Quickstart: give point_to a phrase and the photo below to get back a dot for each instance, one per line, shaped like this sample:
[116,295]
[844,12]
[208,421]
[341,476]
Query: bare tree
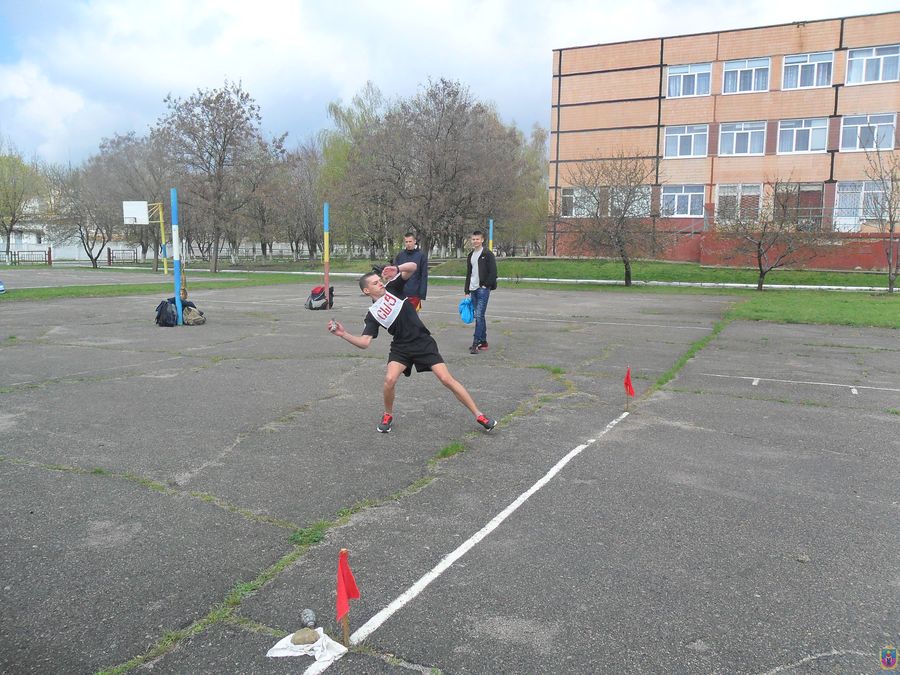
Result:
[20,185]
[611,206]
[138,170]
[215,140]
[773,229]
[82,209]
[300,205]
[443,162]
[881,205]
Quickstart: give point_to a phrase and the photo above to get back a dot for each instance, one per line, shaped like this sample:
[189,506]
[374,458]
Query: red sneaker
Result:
[387,421]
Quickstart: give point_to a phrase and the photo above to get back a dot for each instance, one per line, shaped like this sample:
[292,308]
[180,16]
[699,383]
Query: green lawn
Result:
[642,270]
[785,306]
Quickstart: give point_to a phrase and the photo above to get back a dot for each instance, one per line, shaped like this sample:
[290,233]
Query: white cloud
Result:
[105,67]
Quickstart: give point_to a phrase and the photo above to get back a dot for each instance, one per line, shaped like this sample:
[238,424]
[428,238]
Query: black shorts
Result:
[422,358]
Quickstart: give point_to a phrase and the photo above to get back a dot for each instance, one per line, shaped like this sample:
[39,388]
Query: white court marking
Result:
[852,388]
[376,621]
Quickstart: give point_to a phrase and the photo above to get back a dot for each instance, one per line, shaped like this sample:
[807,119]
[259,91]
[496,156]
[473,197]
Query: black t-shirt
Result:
[408,331]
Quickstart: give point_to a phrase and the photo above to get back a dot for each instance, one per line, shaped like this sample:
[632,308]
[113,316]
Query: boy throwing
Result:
[412,344]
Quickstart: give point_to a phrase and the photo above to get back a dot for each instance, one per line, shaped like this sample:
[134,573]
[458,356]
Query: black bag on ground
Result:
[166,314]
[316,299]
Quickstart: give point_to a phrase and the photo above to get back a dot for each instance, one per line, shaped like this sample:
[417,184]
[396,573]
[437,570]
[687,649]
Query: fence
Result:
[27,257]
[124,256]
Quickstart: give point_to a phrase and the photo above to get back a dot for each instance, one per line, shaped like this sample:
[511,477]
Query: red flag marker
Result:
[346,591]
[629,390]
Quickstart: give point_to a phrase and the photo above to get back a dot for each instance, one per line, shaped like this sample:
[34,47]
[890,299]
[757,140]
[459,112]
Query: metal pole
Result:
[176,253]
[326,258]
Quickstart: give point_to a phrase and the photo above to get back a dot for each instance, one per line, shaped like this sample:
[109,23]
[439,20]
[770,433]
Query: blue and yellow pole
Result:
[176,253]
[326,259]
[490,234]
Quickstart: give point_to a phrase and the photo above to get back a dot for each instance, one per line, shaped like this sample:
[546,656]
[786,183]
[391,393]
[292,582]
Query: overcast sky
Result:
[73,72]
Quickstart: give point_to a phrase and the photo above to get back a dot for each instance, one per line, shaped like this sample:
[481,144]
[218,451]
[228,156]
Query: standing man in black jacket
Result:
[481,279]
[416,287]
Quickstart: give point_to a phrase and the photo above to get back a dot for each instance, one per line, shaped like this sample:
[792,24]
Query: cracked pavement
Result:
[152,480]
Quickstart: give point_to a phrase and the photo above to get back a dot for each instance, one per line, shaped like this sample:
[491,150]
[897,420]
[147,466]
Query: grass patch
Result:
[163,288]
[449,450]
[313,534]
[553,370]
[893,411]
[651,270]
[688,355]
[881,310]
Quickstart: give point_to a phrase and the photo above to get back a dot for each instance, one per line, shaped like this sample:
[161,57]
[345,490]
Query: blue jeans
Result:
[480,297]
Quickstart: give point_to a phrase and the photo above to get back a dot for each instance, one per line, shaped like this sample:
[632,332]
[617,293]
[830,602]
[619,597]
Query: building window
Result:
[799,203]
[690,80]
[746,75]
[574,203]
[802,135]
[738,203]
[38,238]
[687,141]
[855,202]
[875,64]
[868,132]
[682,200]
[742,138]
[807,70]
[629,201]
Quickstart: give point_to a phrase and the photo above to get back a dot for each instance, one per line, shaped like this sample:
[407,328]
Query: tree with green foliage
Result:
[21,185]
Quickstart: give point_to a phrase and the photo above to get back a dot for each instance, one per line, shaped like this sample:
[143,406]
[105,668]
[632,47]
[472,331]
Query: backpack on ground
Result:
[316,299]
[166,314]
[191,316]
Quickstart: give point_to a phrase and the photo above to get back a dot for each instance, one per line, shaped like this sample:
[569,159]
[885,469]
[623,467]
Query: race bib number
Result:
[386,309]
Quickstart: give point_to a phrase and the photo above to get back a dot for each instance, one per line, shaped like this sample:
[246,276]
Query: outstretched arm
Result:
[405,270]
[361,341]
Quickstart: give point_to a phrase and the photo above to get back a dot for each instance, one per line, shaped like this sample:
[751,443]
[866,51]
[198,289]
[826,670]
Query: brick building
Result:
[723,116]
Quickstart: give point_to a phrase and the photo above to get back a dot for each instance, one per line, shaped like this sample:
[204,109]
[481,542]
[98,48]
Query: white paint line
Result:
[853,391]
[375,622]
[820,384]
[755,381]
[814,657]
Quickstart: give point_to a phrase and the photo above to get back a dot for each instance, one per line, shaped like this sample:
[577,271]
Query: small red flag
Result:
[629,390]
[346,584]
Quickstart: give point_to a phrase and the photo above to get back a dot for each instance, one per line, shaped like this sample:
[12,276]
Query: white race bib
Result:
[386,309]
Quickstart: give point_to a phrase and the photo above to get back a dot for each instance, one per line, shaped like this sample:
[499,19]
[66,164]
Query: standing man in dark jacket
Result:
[416,287]
[481,279]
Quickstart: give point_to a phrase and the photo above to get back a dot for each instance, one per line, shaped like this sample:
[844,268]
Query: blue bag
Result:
[466,313]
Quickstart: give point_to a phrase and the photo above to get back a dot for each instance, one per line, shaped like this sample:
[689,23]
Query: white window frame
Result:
[849,218]
[690,195]
[860,63]
[687,72]
[881,120]
[682,132]
[811,128]
[752,66]
[813,62]
[740,190]
[738,131]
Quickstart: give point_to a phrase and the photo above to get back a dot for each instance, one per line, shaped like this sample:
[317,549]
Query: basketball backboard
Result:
[135,213]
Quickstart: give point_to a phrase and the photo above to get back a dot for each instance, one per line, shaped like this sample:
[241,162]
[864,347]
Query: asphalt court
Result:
[742,519]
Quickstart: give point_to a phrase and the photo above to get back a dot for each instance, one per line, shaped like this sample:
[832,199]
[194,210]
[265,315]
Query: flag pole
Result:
[345,620]
[325,257]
